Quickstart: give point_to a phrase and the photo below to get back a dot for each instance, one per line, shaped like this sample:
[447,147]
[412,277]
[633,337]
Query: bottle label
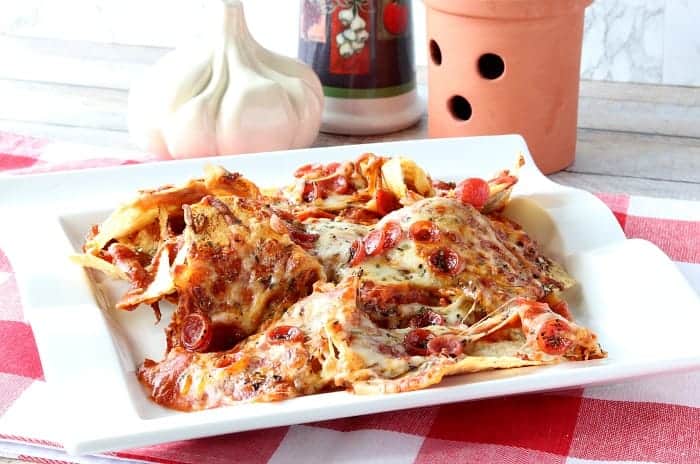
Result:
[359,48]
[350,47]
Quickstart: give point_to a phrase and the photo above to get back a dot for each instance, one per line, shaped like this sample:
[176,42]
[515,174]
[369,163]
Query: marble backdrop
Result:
[624,41]
[652,41]
[682,42]
[649,41]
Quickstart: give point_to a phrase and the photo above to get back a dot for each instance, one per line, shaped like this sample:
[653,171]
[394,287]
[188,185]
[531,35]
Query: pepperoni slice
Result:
[424,231]
[357,253]
[392,235]
[285,333]
[314,213]
[341,185]
[310,192]
[374,242]
[303,239]
[426,318]
[338,184]
[295,230]
[446,345]
[320,188]
[305,169]
[416,342]
[286,215]
[196,332]
[473,191]
[446,261]
[130,263]
[386,202]
[330,168]
[381,239]
[554,337]
[316,170]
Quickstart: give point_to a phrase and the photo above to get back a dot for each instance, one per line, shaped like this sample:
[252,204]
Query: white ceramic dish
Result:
[628,290]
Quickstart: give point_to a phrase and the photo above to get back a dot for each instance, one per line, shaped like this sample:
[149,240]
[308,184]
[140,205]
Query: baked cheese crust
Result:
[365,275]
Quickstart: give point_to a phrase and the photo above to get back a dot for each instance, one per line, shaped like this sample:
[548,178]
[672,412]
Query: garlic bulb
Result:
[353,38]
[346,16]
[227,97]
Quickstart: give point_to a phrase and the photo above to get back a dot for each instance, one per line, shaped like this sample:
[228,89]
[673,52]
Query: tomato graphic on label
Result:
[395,17]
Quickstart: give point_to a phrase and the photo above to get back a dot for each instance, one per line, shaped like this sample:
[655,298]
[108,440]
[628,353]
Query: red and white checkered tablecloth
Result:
[653,420]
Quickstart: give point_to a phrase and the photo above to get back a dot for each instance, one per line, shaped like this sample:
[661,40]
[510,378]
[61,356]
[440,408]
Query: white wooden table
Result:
[636,139]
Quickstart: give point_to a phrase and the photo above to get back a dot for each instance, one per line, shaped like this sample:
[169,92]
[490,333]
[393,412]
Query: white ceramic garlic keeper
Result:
[225,95]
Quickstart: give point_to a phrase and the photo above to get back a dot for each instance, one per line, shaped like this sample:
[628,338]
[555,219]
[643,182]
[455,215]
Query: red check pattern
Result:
[655,420]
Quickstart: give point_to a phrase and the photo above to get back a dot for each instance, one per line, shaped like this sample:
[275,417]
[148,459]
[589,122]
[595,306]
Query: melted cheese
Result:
[348,349]
[241,264]
[400,264]
[238,269]
[493,270]
[332,247]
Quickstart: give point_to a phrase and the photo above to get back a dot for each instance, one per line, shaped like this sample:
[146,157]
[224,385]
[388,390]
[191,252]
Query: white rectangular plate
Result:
[628,290]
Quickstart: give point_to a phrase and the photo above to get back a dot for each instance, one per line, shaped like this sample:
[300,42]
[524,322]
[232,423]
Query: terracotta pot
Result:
[507,66]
